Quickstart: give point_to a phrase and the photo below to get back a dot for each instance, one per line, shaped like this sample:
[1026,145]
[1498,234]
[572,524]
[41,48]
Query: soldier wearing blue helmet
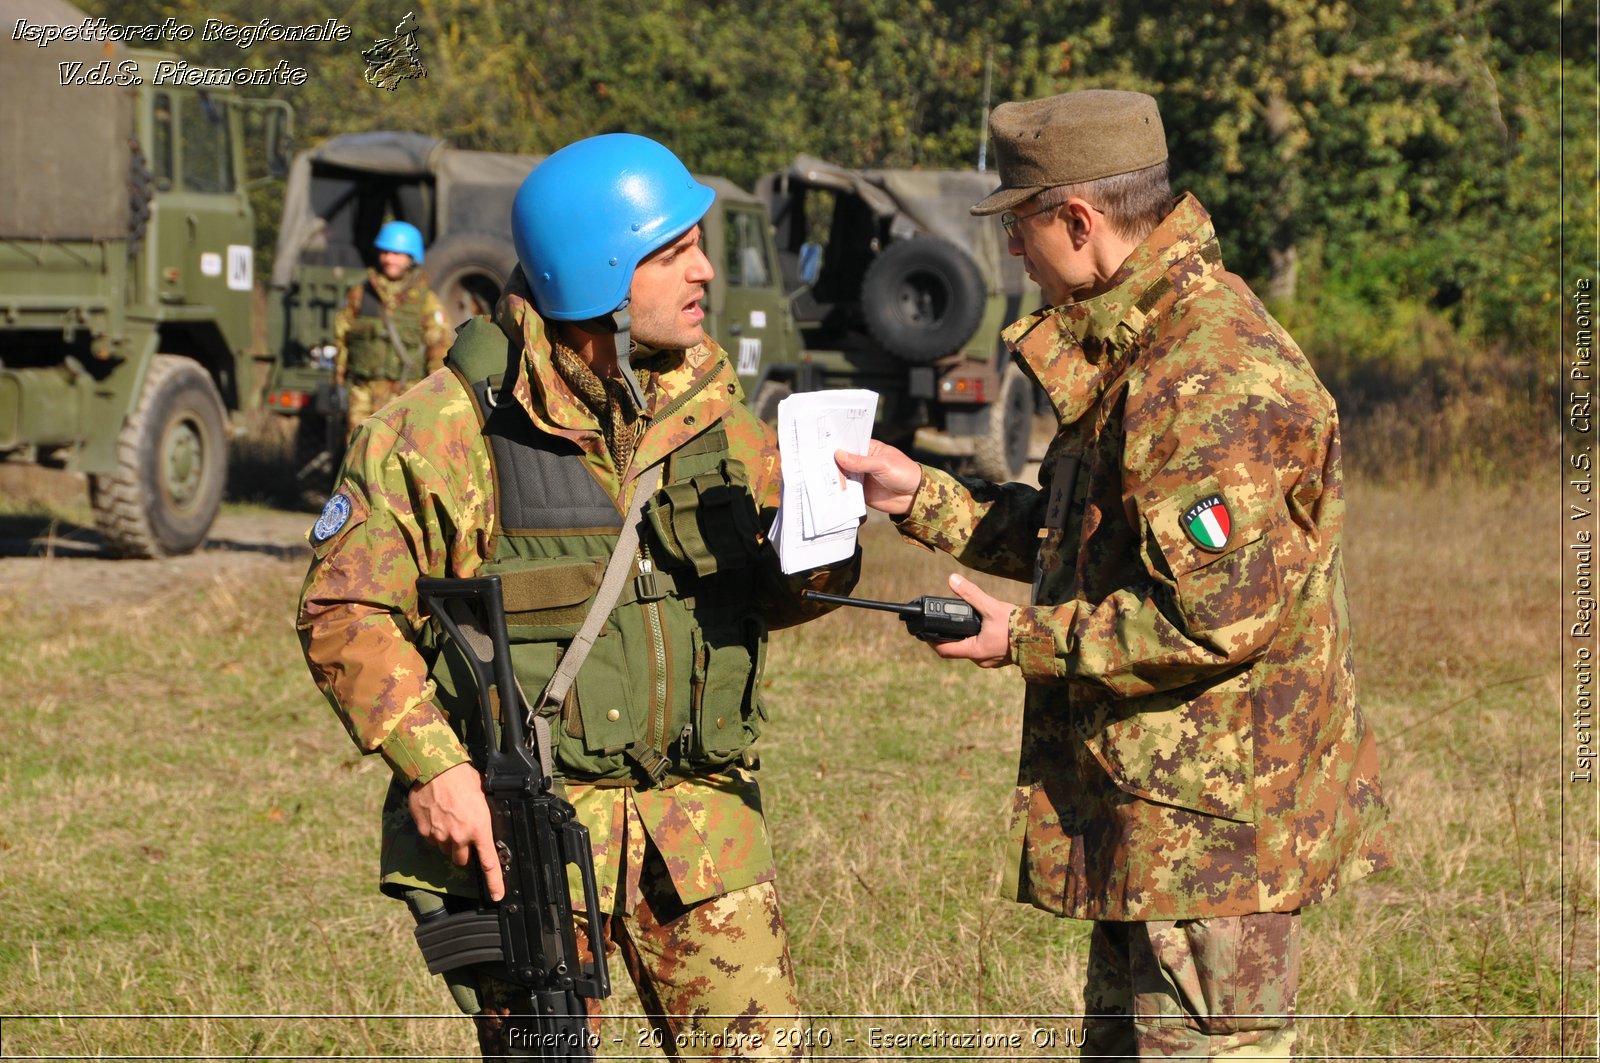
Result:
[391,331]
[594,374]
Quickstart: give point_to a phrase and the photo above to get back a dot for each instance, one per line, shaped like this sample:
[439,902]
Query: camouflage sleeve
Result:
[988,527]
[341,329]
[436,334]
[1197,605]
[756,444]
[358,607]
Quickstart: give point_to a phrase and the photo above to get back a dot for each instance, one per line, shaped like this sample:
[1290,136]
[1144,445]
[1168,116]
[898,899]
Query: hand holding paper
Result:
[820,510]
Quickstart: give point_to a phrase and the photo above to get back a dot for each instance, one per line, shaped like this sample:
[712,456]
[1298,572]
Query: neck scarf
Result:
[609,401]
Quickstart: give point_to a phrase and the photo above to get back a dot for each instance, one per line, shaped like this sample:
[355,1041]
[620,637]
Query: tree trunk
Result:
[1285,275]
[1282,256]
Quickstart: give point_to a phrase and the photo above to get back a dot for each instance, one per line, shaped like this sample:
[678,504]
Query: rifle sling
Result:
[605,599]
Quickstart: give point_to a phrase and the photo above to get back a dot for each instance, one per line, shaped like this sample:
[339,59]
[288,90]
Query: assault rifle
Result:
[530,931]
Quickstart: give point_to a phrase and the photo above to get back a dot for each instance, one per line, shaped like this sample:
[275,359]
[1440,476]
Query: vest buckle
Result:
[650,760]
[645,587]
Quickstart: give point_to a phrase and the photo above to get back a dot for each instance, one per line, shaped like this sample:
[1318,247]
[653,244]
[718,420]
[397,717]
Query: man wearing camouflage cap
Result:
[1194,768]
[520,462]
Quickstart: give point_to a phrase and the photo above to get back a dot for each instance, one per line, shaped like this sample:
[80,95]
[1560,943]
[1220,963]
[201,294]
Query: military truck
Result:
[126,279]
[338,196]
[896,287]
[342,191]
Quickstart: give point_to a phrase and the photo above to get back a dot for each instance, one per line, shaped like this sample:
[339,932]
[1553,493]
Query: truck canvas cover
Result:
[474,190]
[59,178]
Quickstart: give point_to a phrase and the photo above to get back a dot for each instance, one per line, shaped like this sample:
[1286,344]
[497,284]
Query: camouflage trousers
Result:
[367,397]
[714,978]
[1219,988]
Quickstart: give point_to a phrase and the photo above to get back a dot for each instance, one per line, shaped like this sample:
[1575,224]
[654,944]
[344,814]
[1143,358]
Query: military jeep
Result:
[896,287]
[879,280]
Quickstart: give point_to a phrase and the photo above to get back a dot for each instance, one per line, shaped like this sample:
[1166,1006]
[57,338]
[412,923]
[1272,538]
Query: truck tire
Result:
[173,458]
[469,271]
[1000,453]
[922,299]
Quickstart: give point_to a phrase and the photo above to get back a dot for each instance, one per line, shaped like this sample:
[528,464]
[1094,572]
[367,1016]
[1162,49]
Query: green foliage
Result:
[1414,157]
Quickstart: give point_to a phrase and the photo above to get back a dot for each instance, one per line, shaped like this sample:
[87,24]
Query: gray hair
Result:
[1133,202]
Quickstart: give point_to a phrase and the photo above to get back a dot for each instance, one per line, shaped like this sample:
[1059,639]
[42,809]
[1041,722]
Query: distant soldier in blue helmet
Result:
[391,332]
[593,382]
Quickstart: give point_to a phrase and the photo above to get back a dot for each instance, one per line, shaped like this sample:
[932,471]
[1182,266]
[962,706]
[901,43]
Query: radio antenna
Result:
[983,119]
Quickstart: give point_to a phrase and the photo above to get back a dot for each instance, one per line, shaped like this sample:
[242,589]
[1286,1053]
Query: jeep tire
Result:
[468,272]
[1000,453]
[922,299]
[172,456]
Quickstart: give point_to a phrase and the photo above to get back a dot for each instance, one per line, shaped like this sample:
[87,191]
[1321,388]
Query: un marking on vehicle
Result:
[749,357]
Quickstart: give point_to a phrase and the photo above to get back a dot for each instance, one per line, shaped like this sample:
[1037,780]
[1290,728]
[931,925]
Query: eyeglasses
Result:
[1009,219]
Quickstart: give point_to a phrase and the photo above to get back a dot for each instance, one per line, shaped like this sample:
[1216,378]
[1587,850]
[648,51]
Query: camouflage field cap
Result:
[1066,139]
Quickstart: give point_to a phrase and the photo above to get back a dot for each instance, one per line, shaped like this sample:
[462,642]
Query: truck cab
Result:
[127,336]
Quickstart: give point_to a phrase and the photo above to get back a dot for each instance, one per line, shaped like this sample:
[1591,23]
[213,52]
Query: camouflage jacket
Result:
[415,498]
[1191,741]
[413,307]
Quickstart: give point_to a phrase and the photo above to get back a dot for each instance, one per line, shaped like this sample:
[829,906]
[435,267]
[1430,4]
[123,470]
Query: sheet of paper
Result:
[820,508]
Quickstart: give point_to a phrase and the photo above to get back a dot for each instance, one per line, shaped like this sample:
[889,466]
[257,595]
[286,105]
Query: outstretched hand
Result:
[990,647]
[889,478]
[452,813]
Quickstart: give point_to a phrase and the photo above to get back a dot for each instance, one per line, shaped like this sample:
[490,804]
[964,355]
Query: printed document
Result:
[821,507]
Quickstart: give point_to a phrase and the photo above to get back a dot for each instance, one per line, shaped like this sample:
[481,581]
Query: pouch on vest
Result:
[707,521]
[725,692]
[366,350]
[548,599]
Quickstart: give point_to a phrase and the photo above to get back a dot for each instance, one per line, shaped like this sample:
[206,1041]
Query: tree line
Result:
[1388,172]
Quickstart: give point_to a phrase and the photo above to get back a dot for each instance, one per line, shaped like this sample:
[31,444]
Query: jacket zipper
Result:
[656,729]
[655,734]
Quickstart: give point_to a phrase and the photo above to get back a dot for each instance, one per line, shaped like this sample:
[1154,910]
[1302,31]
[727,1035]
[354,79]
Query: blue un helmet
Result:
[586,216]
[401,237]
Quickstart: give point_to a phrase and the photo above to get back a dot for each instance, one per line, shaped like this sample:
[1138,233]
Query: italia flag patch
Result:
[1208,523]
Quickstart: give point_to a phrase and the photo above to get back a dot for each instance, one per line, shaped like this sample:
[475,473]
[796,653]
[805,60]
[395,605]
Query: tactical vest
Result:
[672,686]
[371,352]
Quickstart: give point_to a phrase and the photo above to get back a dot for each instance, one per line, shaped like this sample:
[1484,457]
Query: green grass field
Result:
[188,851]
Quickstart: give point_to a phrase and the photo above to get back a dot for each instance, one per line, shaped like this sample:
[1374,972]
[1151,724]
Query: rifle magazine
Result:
[460,940]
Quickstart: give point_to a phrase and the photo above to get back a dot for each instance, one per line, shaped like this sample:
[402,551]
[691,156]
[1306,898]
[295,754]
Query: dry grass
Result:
[189,833]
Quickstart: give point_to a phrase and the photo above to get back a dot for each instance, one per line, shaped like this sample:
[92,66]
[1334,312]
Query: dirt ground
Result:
[57,556]
[62,559]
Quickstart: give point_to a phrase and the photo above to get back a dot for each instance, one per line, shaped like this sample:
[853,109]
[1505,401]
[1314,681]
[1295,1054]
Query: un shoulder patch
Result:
[332,518]
[1208,523]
